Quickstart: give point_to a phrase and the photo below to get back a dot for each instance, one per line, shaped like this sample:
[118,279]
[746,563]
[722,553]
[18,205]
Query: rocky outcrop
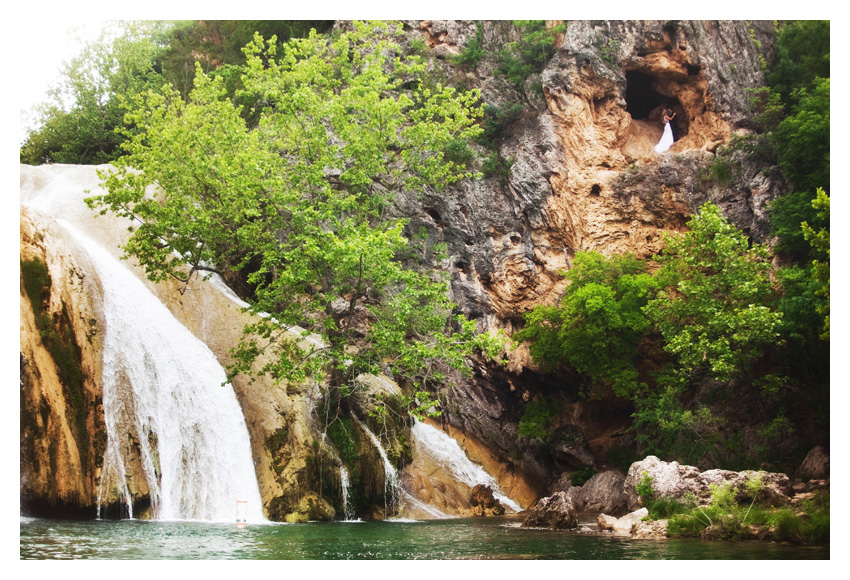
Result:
[650,530]
[583,176]
[556,512]
[675,481]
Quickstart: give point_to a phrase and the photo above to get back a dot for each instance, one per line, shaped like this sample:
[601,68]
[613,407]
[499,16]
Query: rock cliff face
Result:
[584,177]
[62,430]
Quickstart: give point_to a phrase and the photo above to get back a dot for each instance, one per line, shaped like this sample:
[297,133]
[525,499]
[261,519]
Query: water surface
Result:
[451,539]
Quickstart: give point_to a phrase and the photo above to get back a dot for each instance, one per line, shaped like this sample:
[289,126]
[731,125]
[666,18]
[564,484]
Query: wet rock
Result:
[557,512]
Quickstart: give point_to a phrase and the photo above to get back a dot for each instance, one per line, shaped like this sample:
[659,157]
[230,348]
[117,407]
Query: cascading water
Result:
[392,490]
[451,457]
[347,511]
[192,435]
[164,387]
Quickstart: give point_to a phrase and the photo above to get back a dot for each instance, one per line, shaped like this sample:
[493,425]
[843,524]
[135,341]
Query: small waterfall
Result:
[390,474]
[448,454]
[347,511]
[166,385]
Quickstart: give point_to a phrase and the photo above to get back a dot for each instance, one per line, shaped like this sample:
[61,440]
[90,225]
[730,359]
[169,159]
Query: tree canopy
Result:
[298,203]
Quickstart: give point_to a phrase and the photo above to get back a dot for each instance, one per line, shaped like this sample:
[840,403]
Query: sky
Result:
[60,40]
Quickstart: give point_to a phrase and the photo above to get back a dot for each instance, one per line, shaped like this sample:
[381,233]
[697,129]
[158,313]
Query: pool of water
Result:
[452,539]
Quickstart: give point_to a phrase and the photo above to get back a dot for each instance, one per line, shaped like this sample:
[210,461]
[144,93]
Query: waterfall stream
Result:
[164,393]
[393,489]
[450,456]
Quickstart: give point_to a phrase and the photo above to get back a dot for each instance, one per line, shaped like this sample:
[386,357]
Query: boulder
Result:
[556,512]
[669,479]
[483,503]
[603,493]
[815,465]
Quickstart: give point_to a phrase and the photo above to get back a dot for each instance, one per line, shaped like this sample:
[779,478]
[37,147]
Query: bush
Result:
[580,476]
[473,51]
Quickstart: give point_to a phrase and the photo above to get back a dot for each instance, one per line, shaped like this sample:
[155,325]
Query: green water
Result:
[475,538]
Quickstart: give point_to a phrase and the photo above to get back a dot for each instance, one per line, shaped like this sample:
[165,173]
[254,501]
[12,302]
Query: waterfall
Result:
[193,439]
[347,512]
[449,455]
[390,474]
[164,391]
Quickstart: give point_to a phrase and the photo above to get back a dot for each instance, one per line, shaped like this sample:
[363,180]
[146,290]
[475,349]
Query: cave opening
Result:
[644,102]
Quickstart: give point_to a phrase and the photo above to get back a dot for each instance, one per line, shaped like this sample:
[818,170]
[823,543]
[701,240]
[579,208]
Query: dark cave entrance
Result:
[645,102]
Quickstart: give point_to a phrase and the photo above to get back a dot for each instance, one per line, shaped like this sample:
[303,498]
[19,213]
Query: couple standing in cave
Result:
[667,137]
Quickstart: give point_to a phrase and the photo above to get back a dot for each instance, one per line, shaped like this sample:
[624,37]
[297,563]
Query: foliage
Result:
[77,123]
[644,489]
[802,138]
[519,60]
[724,518]
[494,165]
[81,119]
[714,312]
[795,113]
[582,475]
[820,244]
[665,507]
[298,203]
[599,323]
[496,121]
[802,56]
[473,51]
[537,419]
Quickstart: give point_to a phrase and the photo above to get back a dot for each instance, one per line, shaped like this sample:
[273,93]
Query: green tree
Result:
[820,266]
[78,121]
[599,323]
[299,203]
[715,310]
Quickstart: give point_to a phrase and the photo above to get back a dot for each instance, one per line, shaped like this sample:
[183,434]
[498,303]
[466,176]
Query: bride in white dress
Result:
[667,137]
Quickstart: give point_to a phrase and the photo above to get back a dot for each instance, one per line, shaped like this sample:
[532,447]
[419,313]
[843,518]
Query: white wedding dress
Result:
[666,139]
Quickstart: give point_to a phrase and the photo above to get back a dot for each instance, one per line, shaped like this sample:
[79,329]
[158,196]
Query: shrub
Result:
[580,476]
[473,51]
[644,489]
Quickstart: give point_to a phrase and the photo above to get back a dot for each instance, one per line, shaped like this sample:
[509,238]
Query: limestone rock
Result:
[675,480]
[311,507]
[652,530]
[604,493]
[621,525]
[556,513]
[482,502]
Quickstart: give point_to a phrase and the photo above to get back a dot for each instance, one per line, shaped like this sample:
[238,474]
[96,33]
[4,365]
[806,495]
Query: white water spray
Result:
[451,457]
